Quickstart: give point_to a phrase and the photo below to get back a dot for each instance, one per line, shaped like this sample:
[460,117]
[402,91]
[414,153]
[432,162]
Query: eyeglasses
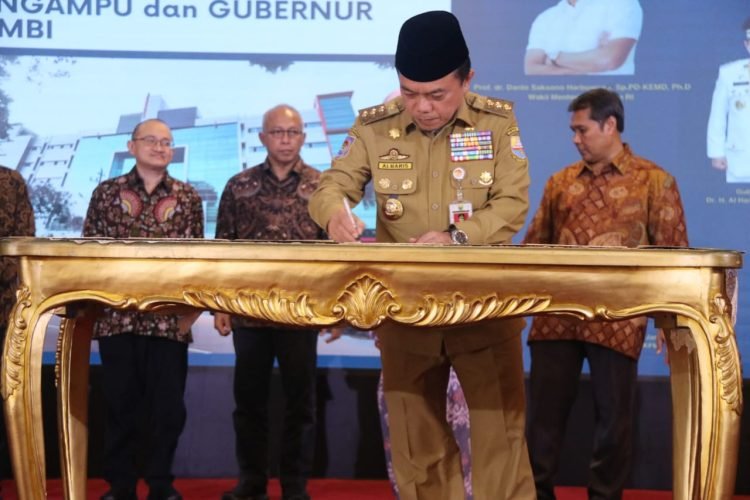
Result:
[278,133]
[152,141]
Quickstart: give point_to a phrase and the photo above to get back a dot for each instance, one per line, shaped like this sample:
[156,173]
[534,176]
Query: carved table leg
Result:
[684,379]
[74,349]
[21,388]
[707,424]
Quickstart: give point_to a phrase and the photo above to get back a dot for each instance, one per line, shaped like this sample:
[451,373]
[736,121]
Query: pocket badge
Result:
[485,178]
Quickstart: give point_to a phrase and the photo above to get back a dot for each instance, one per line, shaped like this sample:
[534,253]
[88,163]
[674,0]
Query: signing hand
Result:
[341,229]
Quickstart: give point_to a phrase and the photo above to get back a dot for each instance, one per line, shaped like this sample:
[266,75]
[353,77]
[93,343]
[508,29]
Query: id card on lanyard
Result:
[459,209]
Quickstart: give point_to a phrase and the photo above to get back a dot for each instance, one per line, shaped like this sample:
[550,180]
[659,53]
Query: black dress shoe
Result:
[164,494]
[119,494]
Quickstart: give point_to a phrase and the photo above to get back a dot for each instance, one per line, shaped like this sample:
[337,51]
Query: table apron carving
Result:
[319,285]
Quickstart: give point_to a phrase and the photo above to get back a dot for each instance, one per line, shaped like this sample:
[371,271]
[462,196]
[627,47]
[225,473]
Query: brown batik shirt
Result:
[631,202]
[16,219]
[256,205]
[121,208]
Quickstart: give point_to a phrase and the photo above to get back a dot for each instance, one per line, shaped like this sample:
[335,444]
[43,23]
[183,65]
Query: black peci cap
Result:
[430,46]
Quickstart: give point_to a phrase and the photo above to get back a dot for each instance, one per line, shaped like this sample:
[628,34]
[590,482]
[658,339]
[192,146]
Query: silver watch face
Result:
[459,237]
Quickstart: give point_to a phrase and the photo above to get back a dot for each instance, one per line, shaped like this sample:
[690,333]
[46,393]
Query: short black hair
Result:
[462,72]
[602,104]
[137,127]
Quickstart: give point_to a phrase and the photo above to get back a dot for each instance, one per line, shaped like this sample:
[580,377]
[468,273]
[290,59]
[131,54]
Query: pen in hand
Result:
[350,215]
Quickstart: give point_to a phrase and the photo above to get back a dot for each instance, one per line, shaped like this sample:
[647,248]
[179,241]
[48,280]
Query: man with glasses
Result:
[269,202]
[144,355]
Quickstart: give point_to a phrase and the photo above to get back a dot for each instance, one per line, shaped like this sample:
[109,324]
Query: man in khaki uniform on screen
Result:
[447,166]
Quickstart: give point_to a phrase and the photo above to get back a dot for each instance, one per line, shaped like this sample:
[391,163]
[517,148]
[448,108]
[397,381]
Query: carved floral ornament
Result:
[365,303]
[727,362]
[12,361]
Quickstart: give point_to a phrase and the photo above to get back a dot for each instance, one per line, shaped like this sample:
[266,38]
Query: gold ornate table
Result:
[324,283]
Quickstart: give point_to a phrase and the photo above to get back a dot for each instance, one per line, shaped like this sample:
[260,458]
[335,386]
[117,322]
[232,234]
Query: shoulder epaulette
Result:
[491,105]
[375,113]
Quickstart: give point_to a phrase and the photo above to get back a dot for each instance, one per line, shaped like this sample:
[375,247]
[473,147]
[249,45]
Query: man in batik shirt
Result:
[609,198]
[144,356]
[16,219]
[269,202]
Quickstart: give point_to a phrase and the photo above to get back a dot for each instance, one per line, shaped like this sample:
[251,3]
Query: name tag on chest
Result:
[395,165]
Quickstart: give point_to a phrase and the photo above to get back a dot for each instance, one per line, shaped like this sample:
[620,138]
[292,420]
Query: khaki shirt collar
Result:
[463,115]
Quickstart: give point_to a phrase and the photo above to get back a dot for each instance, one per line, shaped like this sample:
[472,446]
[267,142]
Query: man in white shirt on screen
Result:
[579,37]
[728,136]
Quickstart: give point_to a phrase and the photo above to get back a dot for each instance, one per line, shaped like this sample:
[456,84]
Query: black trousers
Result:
[296,351]
[143,381]
[555,373]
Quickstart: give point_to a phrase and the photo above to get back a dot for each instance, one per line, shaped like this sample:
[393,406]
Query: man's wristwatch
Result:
[458,237]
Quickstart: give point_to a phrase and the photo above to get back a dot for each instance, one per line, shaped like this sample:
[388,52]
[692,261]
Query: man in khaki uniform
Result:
[447,166]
